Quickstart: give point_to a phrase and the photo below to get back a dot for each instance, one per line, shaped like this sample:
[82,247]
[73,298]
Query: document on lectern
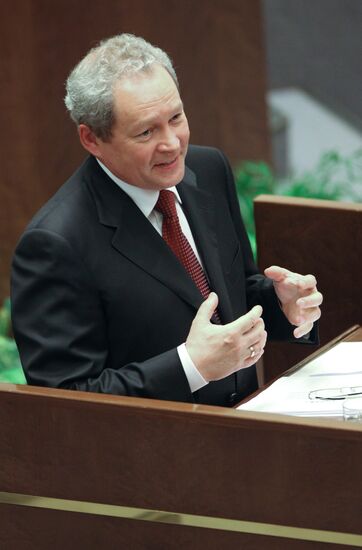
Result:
[340,367]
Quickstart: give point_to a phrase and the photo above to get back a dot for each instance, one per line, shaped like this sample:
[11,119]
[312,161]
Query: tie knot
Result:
[166,204]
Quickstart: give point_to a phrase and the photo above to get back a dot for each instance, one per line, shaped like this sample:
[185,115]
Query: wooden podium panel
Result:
[319,237]
[81,470]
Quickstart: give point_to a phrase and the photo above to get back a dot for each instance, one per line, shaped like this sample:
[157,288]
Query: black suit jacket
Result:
[100,302]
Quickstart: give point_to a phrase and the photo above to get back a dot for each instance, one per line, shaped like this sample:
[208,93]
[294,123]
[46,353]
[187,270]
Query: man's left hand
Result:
[298,297]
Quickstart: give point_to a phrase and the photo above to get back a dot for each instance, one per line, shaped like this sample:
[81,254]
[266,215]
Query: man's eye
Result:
[177,116]
[146,133]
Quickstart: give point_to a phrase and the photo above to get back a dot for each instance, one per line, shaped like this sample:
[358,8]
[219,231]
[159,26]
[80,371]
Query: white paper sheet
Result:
[341,366]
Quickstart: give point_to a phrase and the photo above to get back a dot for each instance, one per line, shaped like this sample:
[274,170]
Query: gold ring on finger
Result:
[252,351]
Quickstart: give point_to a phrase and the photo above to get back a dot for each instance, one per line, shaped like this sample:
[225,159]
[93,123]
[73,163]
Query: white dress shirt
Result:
[146,200]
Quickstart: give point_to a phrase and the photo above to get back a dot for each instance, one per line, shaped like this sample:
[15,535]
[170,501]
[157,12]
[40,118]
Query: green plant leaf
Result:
[335,177]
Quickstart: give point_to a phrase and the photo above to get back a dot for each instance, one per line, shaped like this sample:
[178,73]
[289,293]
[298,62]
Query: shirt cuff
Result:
[194,378]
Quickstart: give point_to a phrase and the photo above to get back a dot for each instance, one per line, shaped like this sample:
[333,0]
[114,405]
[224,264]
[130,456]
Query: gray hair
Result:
[90,85]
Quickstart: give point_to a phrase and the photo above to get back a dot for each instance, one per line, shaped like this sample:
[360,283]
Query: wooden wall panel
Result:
[319,237]
[218,52]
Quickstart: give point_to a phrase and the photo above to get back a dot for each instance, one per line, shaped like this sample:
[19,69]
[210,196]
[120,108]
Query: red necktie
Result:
[172,234]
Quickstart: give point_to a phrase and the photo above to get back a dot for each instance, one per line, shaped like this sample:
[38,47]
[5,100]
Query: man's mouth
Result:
[166,164]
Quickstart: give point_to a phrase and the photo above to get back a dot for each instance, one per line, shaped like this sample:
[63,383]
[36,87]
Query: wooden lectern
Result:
[90,471]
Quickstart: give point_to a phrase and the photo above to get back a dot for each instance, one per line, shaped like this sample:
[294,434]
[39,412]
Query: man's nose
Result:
[169,141]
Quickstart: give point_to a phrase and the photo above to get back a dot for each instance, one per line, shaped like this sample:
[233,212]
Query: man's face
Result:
[150,134]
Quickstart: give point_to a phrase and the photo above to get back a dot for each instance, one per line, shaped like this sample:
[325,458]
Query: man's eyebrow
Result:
[147,121]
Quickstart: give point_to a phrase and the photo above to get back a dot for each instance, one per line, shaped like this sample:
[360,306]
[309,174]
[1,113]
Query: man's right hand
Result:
[220,350]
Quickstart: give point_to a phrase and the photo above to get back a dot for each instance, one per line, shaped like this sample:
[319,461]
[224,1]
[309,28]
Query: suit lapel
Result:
[200,209]
[136,238]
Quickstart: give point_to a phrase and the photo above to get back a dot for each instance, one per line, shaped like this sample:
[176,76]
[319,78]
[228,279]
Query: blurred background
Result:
[276,84]
[314,81]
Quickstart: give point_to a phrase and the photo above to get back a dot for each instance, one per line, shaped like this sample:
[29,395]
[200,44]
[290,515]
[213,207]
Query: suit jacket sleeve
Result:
[60,327]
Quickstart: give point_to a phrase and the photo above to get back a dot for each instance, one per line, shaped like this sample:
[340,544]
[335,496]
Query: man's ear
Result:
[88,139]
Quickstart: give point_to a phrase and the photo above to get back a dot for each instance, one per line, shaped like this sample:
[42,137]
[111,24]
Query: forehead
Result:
[146,94]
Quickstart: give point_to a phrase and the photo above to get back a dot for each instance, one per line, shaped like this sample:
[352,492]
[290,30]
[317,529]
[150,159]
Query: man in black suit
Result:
[101,301]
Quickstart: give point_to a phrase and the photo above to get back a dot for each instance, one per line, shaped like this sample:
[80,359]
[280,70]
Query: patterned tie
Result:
[176,240]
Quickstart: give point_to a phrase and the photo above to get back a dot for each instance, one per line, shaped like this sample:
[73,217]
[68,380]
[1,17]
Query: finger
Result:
[276,273]
[249,361]
[247,321]
[207,308]
[254,349]
[303,282]
[307,282]
[260,344]
[311,300]
[303,329]
[255,334]
[312,315]
[309,315]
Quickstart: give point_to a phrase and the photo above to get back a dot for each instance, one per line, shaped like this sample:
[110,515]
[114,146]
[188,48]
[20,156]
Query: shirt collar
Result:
[145,199]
